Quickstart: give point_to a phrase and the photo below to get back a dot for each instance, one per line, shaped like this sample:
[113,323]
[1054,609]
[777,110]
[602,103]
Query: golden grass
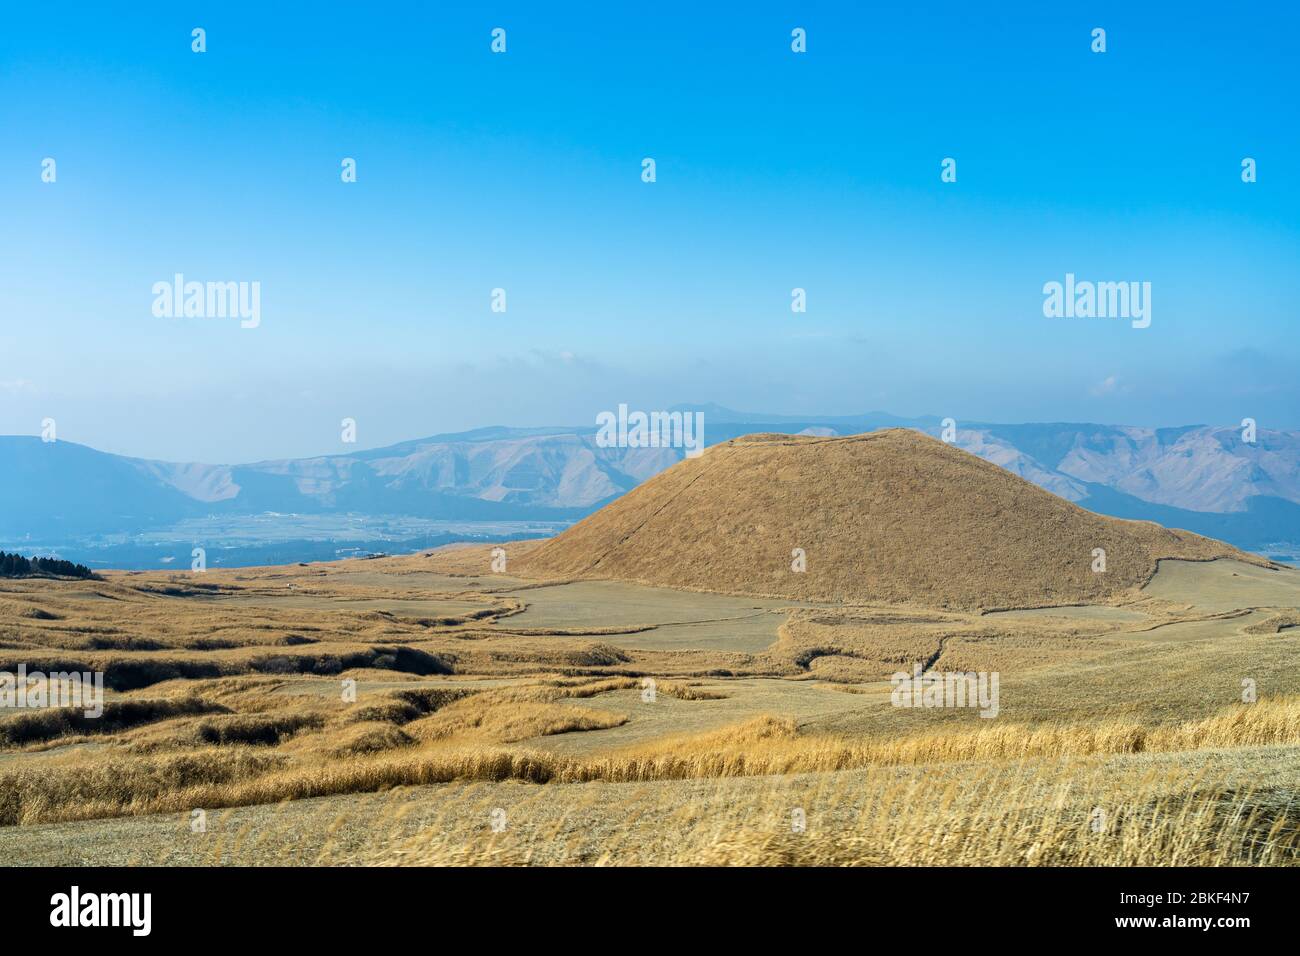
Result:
[1276,623]
[1036,815]
[482,719]
[33,726]
[686,690]
[767,746]
[225,702]
[370,738]
[772,746]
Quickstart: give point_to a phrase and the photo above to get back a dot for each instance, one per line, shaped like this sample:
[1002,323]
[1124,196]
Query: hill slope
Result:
[890,516]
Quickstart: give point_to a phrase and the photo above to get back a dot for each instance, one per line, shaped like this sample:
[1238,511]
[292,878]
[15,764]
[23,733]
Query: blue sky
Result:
[522,171]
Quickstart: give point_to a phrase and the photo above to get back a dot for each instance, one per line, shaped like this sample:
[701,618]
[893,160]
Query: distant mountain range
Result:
[1200,478]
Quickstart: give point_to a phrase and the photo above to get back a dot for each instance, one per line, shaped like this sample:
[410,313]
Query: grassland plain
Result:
[431,709]
[224,699]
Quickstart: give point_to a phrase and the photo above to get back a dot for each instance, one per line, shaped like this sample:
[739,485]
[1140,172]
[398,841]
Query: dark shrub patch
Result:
[124,644]
[37,725]
[404,706]
[132,675]
[254,728]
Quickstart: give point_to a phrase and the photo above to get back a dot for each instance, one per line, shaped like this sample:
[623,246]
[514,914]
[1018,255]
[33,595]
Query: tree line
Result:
[16,566]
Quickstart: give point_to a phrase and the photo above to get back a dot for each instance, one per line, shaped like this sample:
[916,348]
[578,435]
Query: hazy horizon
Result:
[755,417]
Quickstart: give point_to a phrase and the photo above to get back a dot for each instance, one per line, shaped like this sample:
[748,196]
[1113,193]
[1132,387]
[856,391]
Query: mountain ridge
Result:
[1202,478]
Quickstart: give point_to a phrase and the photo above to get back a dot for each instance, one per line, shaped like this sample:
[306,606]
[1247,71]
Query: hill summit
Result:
[890,516]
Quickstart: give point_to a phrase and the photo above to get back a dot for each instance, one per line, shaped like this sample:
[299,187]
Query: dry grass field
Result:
[425,709]
[222,699]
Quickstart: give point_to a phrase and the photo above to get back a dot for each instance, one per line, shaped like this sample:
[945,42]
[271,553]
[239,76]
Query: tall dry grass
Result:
[120,785]
[773,746]
[1045,814]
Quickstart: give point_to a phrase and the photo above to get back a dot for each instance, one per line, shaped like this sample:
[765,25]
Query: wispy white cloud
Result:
[1110,385]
